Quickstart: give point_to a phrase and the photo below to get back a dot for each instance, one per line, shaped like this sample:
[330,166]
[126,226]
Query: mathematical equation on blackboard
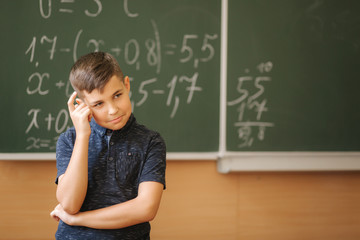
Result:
[251,105]
[194,50]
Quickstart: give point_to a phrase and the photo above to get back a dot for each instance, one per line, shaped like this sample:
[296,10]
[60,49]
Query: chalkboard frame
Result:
[288,161]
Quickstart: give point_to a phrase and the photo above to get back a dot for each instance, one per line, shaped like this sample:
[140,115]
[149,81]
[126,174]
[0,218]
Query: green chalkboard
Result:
[293,75]
[292,79]
[169,49]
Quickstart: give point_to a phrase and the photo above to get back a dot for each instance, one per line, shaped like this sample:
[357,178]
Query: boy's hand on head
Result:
[80,115]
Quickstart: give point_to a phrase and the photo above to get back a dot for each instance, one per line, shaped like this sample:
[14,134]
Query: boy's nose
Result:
[113,109]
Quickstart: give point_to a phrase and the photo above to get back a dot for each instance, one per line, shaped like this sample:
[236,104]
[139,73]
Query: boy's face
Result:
[110,108]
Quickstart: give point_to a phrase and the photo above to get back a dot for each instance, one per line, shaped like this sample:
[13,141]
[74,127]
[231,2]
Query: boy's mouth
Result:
[116,120]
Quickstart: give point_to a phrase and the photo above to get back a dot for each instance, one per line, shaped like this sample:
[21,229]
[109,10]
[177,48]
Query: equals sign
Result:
[171,50]
[158,91]
[65,10]
[44,143]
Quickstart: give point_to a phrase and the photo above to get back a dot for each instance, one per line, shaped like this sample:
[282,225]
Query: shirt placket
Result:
[111,154]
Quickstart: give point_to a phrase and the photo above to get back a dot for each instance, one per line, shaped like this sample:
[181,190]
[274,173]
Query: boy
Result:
[111,170]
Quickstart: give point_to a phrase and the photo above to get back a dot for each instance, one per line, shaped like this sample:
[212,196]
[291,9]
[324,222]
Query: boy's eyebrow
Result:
[95,102]
[118,91]
[115,93]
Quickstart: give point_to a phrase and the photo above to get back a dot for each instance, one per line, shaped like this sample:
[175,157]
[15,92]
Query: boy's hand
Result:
[80,115]
[59,214]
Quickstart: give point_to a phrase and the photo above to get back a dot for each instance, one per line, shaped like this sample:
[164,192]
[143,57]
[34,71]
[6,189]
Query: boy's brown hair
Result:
[93,71]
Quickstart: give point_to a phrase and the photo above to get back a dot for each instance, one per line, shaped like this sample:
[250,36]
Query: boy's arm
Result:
[141,209]
[72,185]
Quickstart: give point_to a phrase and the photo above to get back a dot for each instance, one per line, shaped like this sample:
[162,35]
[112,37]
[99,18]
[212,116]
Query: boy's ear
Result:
[127,83]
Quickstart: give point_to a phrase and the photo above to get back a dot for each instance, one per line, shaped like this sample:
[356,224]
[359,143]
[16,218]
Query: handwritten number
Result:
[186,49]
[244,92]
[99,6]
[193,86]
[32,49]
[53,41]
[143,91]
[132,42]
[258,85]
[65,115]
[151,55]
[208,47]
[42,10]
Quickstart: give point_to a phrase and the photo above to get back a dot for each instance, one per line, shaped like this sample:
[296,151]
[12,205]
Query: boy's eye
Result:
[117,95]
[98,104]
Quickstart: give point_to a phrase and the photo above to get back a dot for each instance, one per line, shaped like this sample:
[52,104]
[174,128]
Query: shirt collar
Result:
[102,131]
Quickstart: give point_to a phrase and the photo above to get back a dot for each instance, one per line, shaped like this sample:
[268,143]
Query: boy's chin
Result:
[114,127]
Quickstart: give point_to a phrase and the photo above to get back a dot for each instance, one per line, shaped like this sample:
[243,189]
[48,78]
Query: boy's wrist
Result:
[75,219]
[83,136]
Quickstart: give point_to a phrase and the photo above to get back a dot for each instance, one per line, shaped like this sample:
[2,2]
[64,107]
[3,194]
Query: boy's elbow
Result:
[72,210]
[150,213]
[69,207]
[149,216]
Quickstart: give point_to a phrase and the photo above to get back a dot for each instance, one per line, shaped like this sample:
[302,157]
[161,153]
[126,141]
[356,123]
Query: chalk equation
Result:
[251,105]
[94,8]
[148,53]
[131,51]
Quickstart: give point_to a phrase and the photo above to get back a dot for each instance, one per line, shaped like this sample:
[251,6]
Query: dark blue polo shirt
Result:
[118,162]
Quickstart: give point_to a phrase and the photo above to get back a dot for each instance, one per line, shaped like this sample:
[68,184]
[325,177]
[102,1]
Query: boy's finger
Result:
[78,101]
[70,102]
[53,215]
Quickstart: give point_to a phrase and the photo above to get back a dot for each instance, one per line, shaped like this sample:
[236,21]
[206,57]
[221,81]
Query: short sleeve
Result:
[64,148]
[155,162]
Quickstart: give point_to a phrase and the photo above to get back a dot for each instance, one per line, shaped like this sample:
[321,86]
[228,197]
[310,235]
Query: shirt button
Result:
[111,158]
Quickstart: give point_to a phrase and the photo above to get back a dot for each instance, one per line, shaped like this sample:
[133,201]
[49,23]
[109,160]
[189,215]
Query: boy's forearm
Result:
[141,209]
[113,217]
[72,186]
